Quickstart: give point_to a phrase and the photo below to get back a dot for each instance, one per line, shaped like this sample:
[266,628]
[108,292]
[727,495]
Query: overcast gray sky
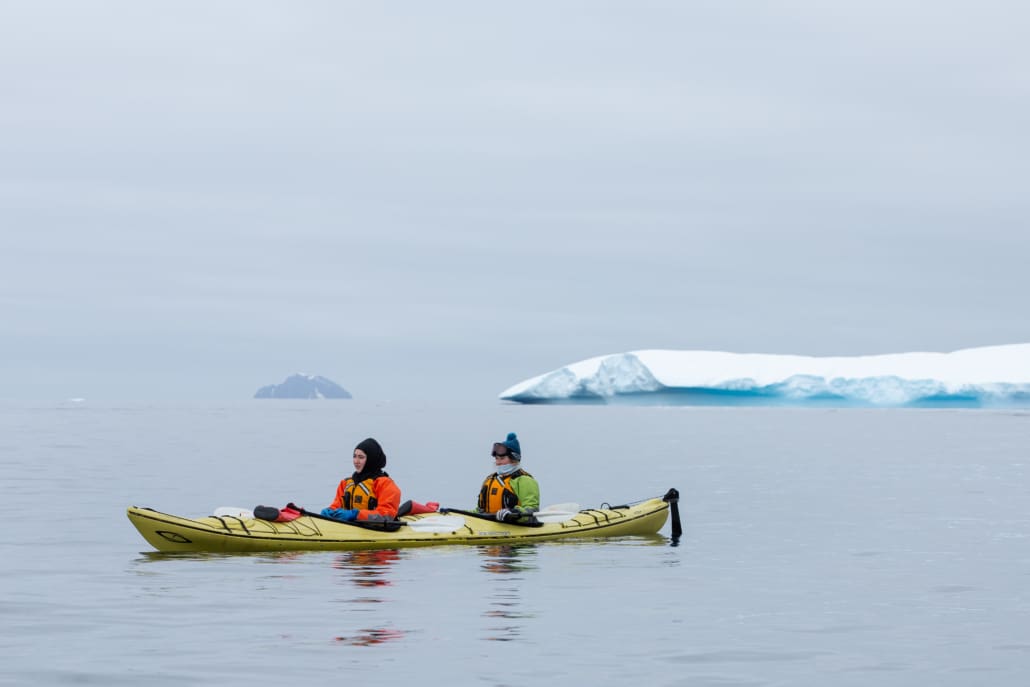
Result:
[439,199]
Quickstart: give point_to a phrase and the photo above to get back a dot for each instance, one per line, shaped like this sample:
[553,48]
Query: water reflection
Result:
[368,568]
[159,556]
[371,637]
[506,602]
[260,557]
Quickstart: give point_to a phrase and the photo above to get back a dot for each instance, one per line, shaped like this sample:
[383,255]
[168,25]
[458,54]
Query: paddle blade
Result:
[561,507]
[234,512]
[555,515]
[557,512]
[437,523]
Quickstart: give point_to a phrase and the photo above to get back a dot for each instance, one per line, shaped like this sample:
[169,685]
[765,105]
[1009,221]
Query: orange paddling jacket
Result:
[374,499]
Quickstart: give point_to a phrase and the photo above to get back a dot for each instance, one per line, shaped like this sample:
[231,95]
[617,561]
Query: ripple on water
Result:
[738,656]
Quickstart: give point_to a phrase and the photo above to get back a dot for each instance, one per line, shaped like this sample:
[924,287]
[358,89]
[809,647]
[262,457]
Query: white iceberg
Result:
[302,385]
[973,377]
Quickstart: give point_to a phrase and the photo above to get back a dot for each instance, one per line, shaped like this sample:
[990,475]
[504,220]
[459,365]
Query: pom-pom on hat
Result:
[376,458]
[512,444]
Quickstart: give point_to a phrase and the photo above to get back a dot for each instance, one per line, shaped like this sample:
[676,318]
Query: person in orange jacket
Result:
[368,494]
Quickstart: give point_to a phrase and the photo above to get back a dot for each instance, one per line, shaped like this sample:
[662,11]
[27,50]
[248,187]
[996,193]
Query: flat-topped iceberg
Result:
[989,376]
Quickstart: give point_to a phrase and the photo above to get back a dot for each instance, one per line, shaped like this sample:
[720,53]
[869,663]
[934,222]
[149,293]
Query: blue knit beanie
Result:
[512,443]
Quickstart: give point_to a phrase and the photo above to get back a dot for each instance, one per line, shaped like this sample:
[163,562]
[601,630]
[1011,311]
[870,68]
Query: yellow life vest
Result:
[359,495]
[497,492]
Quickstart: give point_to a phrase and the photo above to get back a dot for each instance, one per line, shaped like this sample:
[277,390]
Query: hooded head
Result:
[512,444]
[376,458]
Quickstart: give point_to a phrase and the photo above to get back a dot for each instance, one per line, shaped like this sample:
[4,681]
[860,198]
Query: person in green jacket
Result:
[510,492]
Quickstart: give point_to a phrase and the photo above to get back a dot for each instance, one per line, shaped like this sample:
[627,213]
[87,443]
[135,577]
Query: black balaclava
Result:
[376,460]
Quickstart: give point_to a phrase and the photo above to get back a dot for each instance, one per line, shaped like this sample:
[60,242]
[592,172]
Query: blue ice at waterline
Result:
[989,376]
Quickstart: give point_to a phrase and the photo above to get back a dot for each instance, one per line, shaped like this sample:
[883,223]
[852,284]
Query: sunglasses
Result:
[499,454]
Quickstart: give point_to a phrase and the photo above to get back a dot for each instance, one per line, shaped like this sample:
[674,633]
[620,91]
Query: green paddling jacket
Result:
[517,490]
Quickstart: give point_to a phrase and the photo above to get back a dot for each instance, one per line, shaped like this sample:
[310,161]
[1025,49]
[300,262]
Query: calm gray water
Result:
[821,547]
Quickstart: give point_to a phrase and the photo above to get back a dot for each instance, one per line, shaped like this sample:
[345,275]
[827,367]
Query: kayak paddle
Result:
[433,523]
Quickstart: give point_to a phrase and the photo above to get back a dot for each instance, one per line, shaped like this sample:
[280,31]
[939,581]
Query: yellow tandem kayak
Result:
[171,533]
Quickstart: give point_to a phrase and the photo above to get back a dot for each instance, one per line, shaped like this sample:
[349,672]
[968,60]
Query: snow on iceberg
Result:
[302,385]
[974,377]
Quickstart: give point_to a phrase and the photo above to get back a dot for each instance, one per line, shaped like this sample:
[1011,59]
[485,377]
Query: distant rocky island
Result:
[303,386]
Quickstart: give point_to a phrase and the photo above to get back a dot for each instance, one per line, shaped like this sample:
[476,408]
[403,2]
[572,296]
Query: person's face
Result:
[359,460]
[501,455]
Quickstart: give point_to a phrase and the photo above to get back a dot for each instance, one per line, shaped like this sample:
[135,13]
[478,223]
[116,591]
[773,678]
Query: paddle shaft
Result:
[379,525]
[488,516]
[426,525]
[429,524]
